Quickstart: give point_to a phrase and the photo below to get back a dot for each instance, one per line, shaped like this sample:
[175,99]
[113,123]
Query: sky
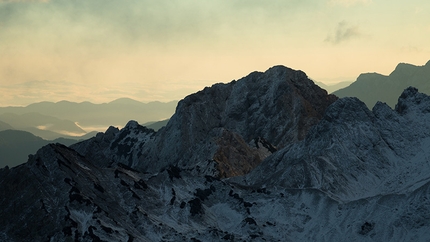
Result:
[148,50]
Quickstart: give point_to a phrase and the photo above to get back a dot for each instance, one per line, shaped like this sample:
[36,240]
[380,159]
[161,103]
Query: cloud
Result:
[343,33]
[35,91]
[24,1]
[23,94]
[349,2]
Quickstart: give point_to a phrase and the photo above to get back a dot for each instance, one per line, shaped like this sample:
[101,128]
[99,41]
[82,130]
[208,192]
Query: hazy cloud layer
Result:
[23,94]
[23,1]
[343,32]
[349,2]
[167,47]
[128,22]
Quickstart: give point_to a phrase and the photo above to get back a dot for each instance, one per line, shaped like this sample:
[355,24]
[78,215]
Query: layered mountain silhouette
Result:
[330,88]
[17,145]
[373,87]
[156,125]
[88,115]
[52,122]
[5,126]
[42,125]
[269,157]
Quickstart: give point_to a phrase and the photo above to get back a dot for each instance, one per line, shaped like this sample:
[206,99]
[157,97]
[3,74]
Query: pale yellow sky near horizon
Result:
[100,50]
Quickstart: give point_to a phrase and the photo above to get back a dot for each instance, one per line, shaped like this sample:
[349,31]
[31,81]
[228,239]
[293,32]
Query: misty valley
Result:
[24,130]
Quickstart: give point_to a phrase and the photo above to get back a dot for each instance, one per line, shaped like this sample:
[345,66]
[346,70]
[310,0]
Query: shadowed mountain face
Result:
[373,87]
[5,126]
[337,172]
[17,145]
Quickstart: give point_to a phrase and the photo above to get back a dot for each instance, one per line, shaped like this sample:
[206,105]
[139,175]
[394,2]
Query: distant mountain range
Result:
[42,125]
[373,87]
[86,114]
[156,125]
[330,88]
[5,126]
[24,130]
[17,145]
[70,120]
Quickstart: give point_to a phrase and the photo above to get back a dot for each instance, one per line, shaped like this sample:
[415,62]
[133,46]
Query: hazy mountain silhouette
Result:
[125,101]
[16,145]
[156,125]
[83,137]
[51,135]
[373,87]
[34,122]
[87,114]
[5,126]
[333,87]
[46,134]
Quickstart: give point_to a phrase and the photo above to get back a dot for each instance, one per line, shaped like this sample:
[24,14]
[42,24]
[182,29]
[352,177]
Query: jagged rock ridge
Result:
[358,175]
[230,126]
[380,151]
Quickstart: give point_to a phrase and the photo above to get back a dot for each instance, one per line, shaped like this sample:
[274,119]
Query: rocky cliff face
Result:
[278,106]
[338,172]
[232,127]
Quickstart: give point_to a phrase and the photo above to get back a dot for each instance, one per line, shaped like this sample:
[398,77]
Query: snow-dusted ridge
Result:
[335,171]
[355,153]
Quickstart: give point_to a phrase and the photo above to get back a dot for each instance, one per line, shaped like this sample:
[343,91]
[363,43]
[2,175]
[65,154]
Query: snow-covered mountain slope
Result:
[81,202]
[355,153]
[351,175]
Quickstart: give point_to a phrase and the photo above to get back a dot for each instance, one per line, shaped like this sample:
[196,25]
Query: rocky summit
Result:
[225,130]
[270,157]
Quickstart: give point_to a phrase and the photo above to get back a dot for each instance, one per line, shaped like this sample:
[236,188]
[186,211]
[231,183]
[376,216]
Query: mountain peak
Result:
[411,98]
[278,106]
[404,70]
[409,92]
[131,124]
[125,100]
[347,109]
[371,88]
